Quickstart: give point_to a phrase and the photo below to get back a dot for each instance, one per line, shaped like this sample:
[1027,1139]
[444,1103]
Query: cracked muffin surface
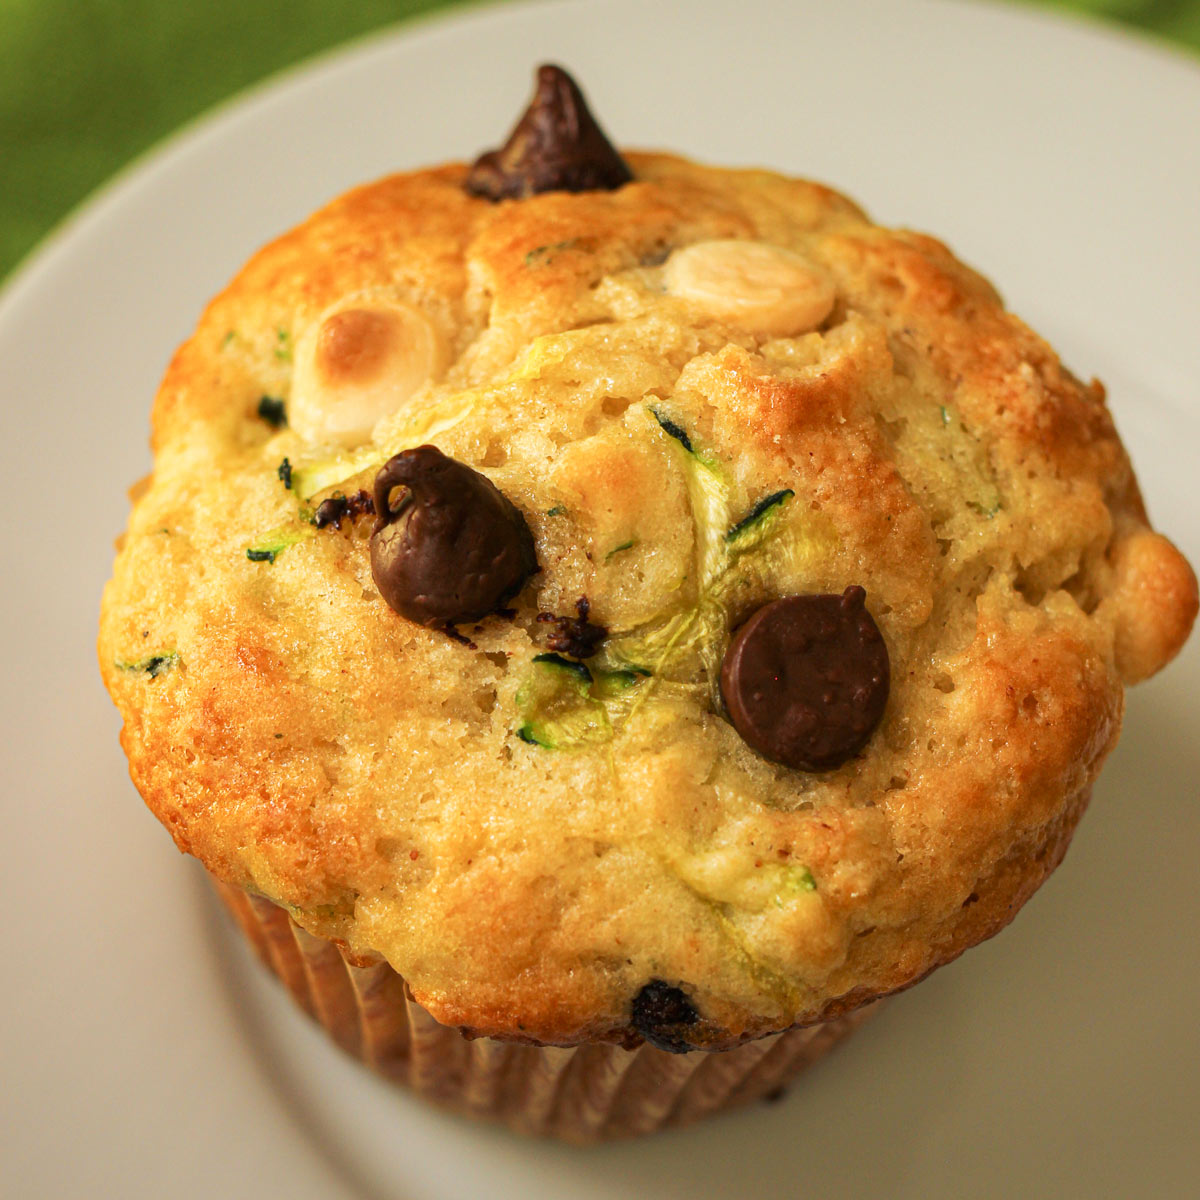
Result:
[703,391]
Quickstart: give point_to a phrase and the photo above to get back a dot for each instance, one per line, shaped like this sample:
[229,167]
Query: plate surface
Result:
[142,1056]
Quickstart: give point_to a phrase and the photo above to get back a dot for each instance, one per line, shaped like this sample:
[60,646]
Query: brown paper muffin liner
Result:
[582,1094]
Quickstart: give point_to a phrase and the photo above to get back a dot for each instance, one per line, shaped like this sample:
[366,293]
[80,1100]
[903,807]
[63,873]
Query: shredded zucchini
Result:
[271,545]
[708,493]
[723,908]
[152,665]
[755,525]
[730,558]
[425,425]
[969,460]
[310,478]
[564,705]
[610,684]
[796,882]
[557,707]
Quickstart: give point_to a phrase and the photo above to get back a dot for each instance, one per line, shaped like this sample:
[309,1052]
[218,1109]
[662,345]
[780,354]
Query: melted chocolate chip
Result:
[806,679]
[556,146]
[336,509]
[461,638]
[662,1014]
[453,548]
[576,637]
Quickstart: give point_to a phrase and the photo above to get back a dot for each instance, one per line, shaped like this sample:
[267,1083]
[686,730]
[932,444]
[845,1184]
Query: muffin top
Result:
[733,636]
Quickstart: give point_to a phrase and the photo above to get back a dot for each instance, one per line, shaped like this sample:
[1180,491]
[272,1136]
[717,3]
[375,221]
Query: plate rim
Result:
[94,206]
[91,214]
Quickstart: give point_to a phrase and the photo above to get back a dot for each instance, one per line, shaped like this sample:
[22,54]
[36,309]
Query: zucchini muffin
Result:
[620,609]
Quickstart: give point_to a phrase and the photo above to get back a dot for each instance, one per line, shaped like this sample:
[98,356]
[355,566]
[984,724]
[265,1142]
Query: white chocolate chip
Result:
[765,290]
[361,361]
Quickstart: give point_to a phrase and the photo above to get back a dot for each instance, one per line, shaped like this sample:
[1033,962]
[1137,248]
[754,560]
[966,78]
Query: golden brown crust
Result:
[308,744]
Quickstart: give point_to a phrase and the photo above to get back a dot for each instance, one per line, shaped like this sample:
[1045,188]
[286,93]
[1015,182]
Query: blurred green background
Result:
[85,85]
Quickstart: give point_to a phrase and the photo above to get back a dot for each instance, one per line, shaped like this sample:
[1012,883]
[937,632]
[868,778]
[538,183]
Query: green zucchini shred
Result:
[152,665]
[731,556]
[781,989]
[609,683]
[564,704]
[544,254]
[271,545]
[757,519]
[673,429]
[307,479]
[568,730]
[763,976]
[557,661]
[971,462]
[798,881]
[708,494]
[695,628]
[310,478]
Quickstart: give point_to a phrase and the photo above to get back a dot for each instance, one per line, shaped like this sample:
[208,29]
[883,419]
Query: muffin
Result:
[605,621]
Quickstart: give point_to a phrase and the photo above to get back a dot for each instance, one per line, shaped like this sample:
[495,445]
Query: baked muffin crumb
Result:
[702,390]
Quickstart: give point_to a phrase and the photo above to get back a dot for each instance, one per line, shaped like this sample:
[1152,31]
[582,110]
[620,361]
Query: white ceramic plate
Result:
[143,1057]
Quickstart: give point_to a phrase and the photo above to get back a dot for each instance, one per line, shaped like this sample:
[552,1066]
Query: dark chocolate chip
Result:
[330,512]
[334,510]
[452,548]
[806,679]
[284,472]
[556,146]
[574,636]
[662,1014]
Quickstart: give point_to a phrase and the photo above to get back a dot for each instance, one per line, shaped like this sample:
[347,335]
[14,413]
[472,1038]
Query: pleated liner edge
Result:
[582,1094]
